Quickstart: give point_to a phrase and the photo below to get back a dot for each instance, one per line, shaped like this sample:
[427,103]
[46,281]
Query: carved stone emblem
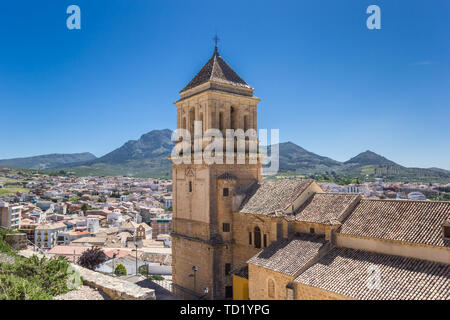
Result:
[190,172]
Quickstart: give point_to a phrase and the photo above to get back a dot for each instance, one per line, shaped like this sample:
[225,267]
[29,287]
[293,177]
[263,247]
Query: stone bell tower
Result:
[203,193]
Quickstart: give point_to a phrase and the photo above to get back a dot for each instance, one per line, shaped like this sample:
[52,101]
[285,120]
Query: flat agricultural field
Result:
[7,191]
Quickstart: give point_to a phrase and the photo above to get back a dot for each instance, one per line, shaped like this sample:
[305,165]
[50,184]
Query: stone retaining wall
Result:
[17,241]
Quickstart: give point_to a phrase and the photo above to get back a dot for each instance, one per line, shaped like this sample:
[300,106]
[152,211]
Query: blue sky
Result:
[327,82]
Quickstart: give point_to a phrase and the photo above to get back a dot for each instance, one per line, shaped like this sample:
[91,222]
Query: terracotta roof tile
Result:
[289,256]
[270,196]
[216,69]
[325,208]
[241,272]
[346,272]
[408,221]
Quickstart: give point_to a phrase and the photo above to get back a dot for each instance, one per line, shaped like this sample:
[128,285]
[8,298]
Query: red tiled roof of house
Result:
[100,217]
[67,250]
[79,233]
[119,253]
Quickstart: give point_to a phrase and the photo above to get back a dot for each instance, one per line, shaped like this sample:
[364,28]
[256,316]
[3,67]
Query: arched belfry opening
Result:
[191,120]
[221,124]
[233,116]
[246,123]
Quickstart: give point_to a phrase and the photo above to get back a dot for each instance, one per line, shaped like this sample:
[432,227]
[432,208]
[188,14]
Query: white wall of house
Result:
[93,224]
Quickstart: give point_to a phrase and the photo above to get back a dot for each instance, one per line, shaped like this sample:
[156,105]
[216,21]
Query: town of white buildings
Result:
[64,216]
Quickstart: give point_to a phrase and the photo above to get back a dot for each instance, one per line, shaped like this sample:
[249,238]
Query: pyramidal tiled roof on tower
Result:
[216,69]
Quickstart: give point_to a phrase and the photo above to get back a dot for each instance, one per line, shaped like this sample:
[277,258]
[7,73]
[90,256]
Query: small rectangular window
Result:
[225,192]
[227,269]
[228,292]
[190,186]
[265,240]
[226,227]
[289,293]
[311,230]
[249,238]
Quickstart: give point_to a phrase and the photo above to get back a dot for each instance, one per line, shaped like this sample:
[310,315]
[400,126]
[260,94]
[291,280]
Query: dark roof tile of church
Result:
[348,272]
[289,256]
[270,196]
[241,272]
[216,69]
[401,220]
[325,208]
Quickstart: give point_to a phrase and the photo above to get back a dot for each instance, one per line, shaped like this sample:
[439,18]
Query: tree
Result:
[143,270]
[92,258]
[85,207]
[74,199]
[115,194]
[120,270]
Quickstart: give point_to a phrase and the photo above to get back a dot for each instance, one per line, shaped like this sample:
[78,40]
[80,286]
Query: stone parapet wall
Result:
[116,289]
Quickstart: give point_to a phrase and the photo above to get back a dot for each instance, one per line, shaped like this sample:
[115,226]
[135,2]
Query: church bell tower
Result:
[204,194]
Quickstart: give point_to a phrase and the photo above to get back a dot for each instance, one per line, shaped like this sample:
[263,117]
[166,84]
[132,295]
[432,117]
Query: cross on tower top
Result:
[216,40]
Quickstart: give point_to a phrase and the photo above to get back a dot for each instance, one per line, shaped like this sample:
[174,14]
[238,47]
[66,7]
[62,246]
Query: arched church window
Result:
[257,237]
[271,288]
[245,129]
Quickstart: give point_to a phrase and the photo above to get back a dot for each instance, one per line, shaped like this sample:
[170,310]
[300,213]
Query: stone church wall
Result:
[259,284]
[304,292]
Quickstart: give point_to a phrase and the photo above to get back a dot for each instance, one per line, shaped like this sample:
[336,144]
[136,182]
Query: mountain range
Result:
[48,161]
[147,157]
[295,159]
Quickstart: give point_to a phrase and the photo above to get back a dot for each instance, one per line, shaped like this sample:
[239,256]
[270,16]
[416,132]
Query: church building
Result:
[237,236]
